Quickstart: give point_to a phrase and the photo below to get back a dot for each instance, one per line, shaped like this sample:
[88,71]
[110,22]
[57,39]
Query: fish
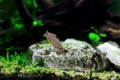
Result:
[52,38]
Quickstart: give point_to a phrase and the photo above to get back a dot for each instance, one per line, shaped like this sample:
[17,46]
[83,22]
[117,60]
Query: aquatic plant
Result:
[11,64]
[15,59]
[96,36]
[37,23]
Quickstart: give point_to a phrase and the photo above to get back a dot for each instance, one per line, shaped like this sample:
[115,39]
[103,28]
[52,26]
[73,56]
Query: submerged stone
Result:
[111,51]
[78,55]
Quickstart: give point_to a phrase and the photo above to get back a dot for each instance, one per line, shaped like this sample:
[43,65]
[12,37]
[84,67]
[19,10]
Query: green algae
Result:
[16,66]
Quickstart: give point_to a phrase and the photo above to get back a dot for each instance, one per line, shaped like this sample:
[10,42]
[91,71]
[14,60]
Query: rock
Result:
[79,56]
[111,51]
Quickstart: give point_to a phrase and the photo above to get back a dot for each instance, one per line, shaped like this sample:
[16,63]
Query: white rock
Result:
[111,51]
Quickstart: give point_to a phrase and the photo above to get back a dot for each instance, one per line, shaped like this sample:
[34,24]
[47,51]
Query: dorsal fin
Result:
[48,33]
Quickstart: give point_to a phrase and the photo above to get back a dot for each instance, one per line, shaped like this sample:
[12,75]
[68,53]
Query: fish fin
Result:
[51,34]
[58,40]
[49,41]
[48,33]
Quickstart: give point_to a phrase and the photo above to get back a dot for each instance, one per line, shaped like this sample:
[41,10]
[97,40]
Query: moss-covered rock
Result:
[78,55]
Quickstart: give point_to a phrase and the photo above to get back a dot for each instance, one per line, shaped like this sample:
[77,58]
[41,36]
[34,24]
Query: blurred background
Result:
[114,6]
[23,22]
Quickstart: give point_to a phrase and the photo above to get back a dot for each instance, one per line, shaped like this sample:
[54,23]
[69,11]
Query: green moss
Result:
[96,36]
[37,23]
[17,66]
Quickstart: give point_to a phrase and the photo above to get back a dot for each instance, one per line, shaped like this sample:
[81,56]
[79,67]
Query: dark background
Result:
[66,19]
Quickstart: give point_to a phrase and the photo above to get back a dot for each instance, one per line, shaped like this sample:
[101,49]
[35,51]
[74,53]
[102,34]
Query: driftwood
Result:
[112,30]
